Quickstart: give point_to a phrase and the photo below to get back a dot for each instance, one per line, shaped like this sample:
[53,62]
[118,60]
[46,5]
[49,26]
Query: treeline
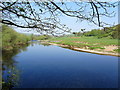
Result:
[110,32]
[40,37]
[12,39]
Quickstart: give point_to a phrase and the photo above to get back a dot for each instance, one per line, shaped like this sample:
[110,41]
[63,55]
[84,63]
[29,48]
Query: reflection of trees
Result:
[45,44]
[40,43]
[10,72]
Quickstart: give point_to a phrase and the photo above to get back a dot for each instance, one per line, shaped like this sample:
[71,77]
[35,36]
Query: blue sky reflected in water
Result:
[55,67]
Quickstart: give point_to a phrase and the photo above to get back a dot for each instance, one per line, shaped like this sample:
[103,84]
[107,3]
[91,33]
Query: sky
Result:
[77,25]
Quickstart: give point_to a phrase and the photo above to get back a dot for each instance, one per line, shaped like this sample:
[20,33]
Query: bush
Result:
[11,38]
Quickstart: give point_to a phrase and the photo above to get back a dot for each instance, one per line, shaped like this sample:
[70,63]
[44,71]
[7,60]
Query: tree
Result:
[32,37]
[75,33]
[83,31]
[44,15]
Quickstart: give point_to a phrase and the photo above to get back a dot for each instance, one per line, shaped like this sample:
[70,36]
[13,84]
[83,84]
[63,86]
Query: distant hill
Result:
[110,32]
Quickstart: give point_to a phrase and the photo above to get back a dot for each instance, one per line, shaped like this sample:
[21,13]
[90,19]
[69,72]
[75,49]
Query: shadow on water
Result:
[10,74]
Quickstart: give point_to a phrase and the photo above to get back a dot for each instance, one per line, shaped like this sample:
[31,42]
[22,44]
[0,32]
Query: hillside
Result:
[110,32]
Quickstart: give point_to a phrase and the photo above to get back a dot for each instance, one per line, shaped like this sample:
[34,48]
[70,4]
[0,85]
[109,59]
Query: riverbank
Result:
[86,50]
[12,39]
[104,46]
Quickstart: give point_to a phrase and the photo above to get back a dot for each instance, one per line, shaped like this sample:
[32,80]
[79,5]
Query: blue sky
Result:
[77,25]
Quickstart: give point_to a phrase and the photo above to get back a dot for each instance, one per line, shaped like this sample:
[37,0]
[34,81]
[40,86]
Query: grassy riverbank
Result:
[90,43]
[12,39]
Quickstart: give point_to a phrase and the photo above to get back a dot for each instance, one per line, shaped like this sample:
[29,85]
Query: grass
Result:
[96,48]
[117,50]
[91,42]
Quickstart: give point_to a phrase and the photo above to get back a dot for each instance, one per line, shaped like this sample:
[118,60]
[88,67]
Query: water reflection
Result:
[45,44]
[10,74]
[44,66]
[39,43]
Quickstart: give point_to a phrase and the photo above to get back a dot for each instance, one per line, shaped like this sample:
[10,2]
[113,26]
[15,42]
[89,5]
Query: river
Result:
[48,66]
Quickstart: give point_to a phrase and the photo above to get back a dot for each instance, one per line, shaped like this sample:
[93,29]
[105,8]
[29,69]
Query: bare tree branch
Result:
[44,16]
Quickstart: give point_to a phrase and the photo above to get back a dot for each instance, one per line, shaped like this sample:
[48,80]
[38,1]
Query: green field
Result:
[91,42]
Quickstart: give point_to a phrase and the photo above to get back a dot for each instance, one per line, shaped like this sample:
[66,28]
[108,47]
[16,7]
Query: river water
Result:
[48,66]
